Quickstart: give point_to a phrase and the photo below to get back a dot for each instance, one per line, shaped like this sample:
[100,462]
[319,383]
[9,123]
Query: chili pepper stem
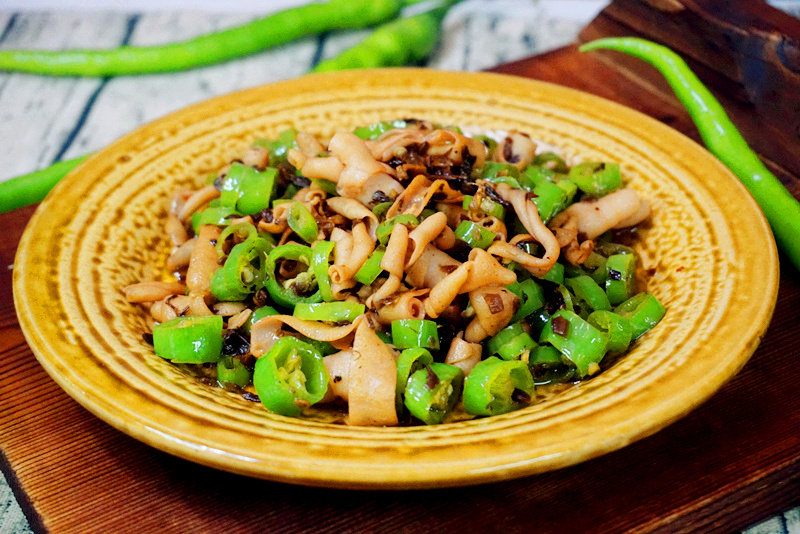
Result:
[721,137]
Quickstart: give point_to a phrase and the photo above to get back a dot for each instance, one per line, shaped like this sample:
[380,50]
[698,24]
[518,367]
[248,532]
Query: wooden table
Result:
[733,461]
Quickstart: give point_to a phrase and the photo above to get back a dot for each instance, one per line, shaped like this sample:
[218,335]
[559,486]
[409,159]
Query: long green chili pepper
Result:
[217,47]
[399,42]
[721,137]
[33,187]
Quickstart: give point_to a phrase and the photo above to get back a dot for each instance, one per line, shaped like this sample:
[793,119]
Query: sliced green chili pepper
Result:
[433,391]
[490,144]
[371,268]
[596,178]
[189,339]
[247,189]
[290,377]
[232,371]
[413,333]
[290,292]
[279,148]
[531,297]
[595,266]
[239,232]
[257,315]
[400,42]
[323,347]
[475,235]
[275,29]
[550,199]
[496,386]
[302,222]
[548,367]
[320,253]
[326,185]
[609,249]
[579,341]
[385,228]
[218,215]
[336,312]
[409,362]
[243,271]
[721,137]
[555,274]
[511,342]
[373,131]
[551,161]
[617,328]
[381,208]
[587,294]
[643,311]
[487,205]
[621,277]
[500,173]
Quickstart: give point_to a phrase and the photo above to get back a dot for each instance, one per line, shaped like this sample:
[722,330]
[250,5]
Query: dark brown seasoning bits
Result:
[520,396]
[432,380]
[252,397]
[494,302]
[560,326]
[148,338]
[337,379]
[447,268]
[614,275]
[508,152]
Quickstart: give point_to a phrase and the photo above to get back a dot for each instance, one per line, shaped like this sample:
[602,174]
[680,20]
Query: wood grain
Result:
[731,462]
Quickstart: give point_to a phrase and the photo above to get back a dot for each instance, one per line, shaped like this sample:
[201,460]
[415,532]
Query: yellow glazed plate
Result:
[714,262]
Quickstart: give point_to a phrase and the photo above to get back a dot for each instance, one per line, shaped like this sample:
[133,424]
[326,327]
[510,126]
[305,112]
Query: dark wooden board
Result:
[733,461]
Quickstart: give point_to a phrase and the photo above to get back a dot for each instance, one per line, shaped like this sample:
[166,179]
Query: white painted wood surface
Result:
[44,119]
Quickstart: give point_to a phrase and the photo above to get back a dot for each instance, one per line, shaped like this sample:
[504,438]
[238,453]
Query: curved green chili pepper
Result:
[302,222]
[432,391]
[596,178]
[721,137]
[511,342]
[241,232]
[260,34]
[290,292]
[336,312]
[247,189]
[579,341]
[217,215]
[320,253]
[33,187]
[496,386]
[549,367]
[643,311]
[487,205]
[373,131]
[189,339]
[531,298]
[588,294]
[400,42]
[616,327]
[290,377]
[232,371]
[258,314]
[551,161]
[279,148]
[243,271]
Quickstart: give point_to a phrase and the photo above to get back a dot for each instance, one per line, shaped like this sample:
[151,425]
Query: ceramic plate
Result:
[101,229]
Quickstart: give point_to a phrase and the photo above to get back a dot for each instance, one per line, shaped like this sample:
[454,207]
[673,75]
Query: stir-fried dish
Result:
[404,271]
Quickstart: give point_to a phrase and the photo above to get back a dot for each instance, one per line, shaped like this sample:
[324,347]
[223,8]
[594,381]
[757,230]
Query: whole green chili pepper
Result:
[290,377]
[721,137]
[432,391]
[33,187]
[320,253]
[329,311]
[290,292]
[496,386]
[399,42]
[412,333]
[189,339]
[232,371]
[257,35]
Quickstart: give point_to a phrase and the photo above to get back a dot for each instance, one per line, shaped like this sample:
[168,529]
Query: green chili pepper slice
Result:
[433,391]
[302,222]
[511,342]
[373,131]
[551,161]
[531,297]
[620,277]
[475,235]
[278,148]
[290,292]
[323,347]
[371,268]
[385,228]
[290,377]
[643,311]
[487,205]
[587,294]
[413,333]
[381,208]
[326,185]
[500,173]
[320,253]
[257,315]
[555,274]
[231,370]
[243,271]
[616,327]
[596,178]
[218,216]
[579,341]
[189,339]
[336,312]
[247,189]
[548,366]
[409,362]
[550,199]
[496,386]
[240,232]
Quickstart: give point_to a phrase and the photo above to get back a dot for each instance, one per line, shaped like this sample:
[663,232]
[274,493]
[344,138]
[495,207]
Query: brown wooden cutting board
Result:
[732,462]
